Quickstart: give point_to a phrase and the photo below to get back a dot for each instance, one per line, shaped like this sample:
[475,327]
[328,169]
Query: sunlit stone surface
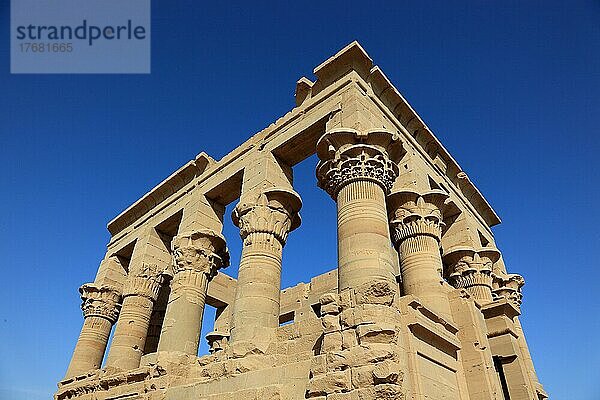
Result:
[420,306]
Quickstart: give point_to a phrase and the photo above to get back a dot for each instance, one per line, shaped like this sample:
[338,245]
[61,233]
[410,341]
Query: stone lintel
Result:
[221,290]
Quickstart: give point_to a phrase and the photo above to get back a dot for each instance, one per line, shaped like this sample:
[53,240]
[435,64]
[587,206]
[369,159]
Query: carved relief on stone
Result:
[144,281]
[508,286]
[100,301]
[202,251]
[273,211]
[413,214]
[347,155]
[471,269]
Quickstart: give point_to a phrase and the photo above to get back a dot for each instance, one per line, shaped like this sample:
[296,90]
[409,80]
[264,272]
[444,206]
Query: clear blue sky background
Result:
[512,90]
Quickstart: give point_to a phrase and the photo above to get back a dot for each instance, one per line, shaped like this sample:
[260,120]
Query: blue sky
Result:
[512,89]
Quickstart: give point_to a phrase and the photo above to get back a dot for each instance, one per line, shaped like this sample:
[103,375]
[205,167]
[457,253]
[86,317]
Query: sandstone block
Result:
[328,298]
[371,353]
[330,308]
[346,299]
[381,392]
[375,333]
[332,342]
[387,372]
[332,382]
[337,360]
[363,376]
[244,348]
[318,364]
[343,396]
[216,370]
[368,314]
[352,317]
[270,393]
[349,339]
[378,292]
[331,323]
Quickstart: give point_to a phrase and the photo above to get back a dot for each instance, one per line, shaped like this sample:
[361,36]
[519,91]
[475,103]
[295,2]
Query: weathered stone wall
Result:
[419,306]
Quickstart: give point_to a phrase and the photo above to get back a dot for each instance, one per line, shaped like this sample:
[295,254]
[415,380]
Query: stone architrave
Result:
[416,228]
[139,294]
[100,306]
[471,269]
[197,256]
[265,218]
[358,169]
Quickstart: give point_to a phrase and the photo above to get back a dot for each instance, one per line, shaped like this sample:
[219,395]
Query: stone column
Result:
[358,169]
[509,286]
[139,294]
[265,217]
[471,270]
[416,226]
[506,336]
[197,256]
[100,306]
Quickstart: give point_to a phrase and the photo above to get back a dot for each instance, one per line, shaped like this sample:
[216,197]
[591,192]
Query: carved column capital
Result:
[217,341]
[203,251]
[144,281]
[273,211]
[471,269]
[100,301]
[508,286]
[347,155]
[414,214]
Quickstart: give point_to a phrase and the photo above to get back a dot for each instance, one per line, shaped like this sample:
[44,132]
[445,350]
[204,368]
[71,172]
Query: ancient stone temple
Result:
[420,306]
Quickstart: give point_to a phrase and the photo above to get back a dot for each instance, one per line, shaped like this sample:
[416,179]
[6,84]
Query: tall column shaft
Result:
[259,286]
[91,346]
[139,295]
[100,309]
[358,169]
[363,235]
[183,319]
[197,257]
[130,334]
[416,224]
[265,219]
[420,267]
[508,286]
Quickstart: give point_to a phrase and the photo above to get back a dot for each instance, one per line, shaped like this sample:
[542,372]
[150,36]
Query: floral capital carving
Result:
[202,251]
[144,281]
[273,211]
[413,214]
[347,155]
[100,301]
[509,286]
[217,341]
[471,269]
